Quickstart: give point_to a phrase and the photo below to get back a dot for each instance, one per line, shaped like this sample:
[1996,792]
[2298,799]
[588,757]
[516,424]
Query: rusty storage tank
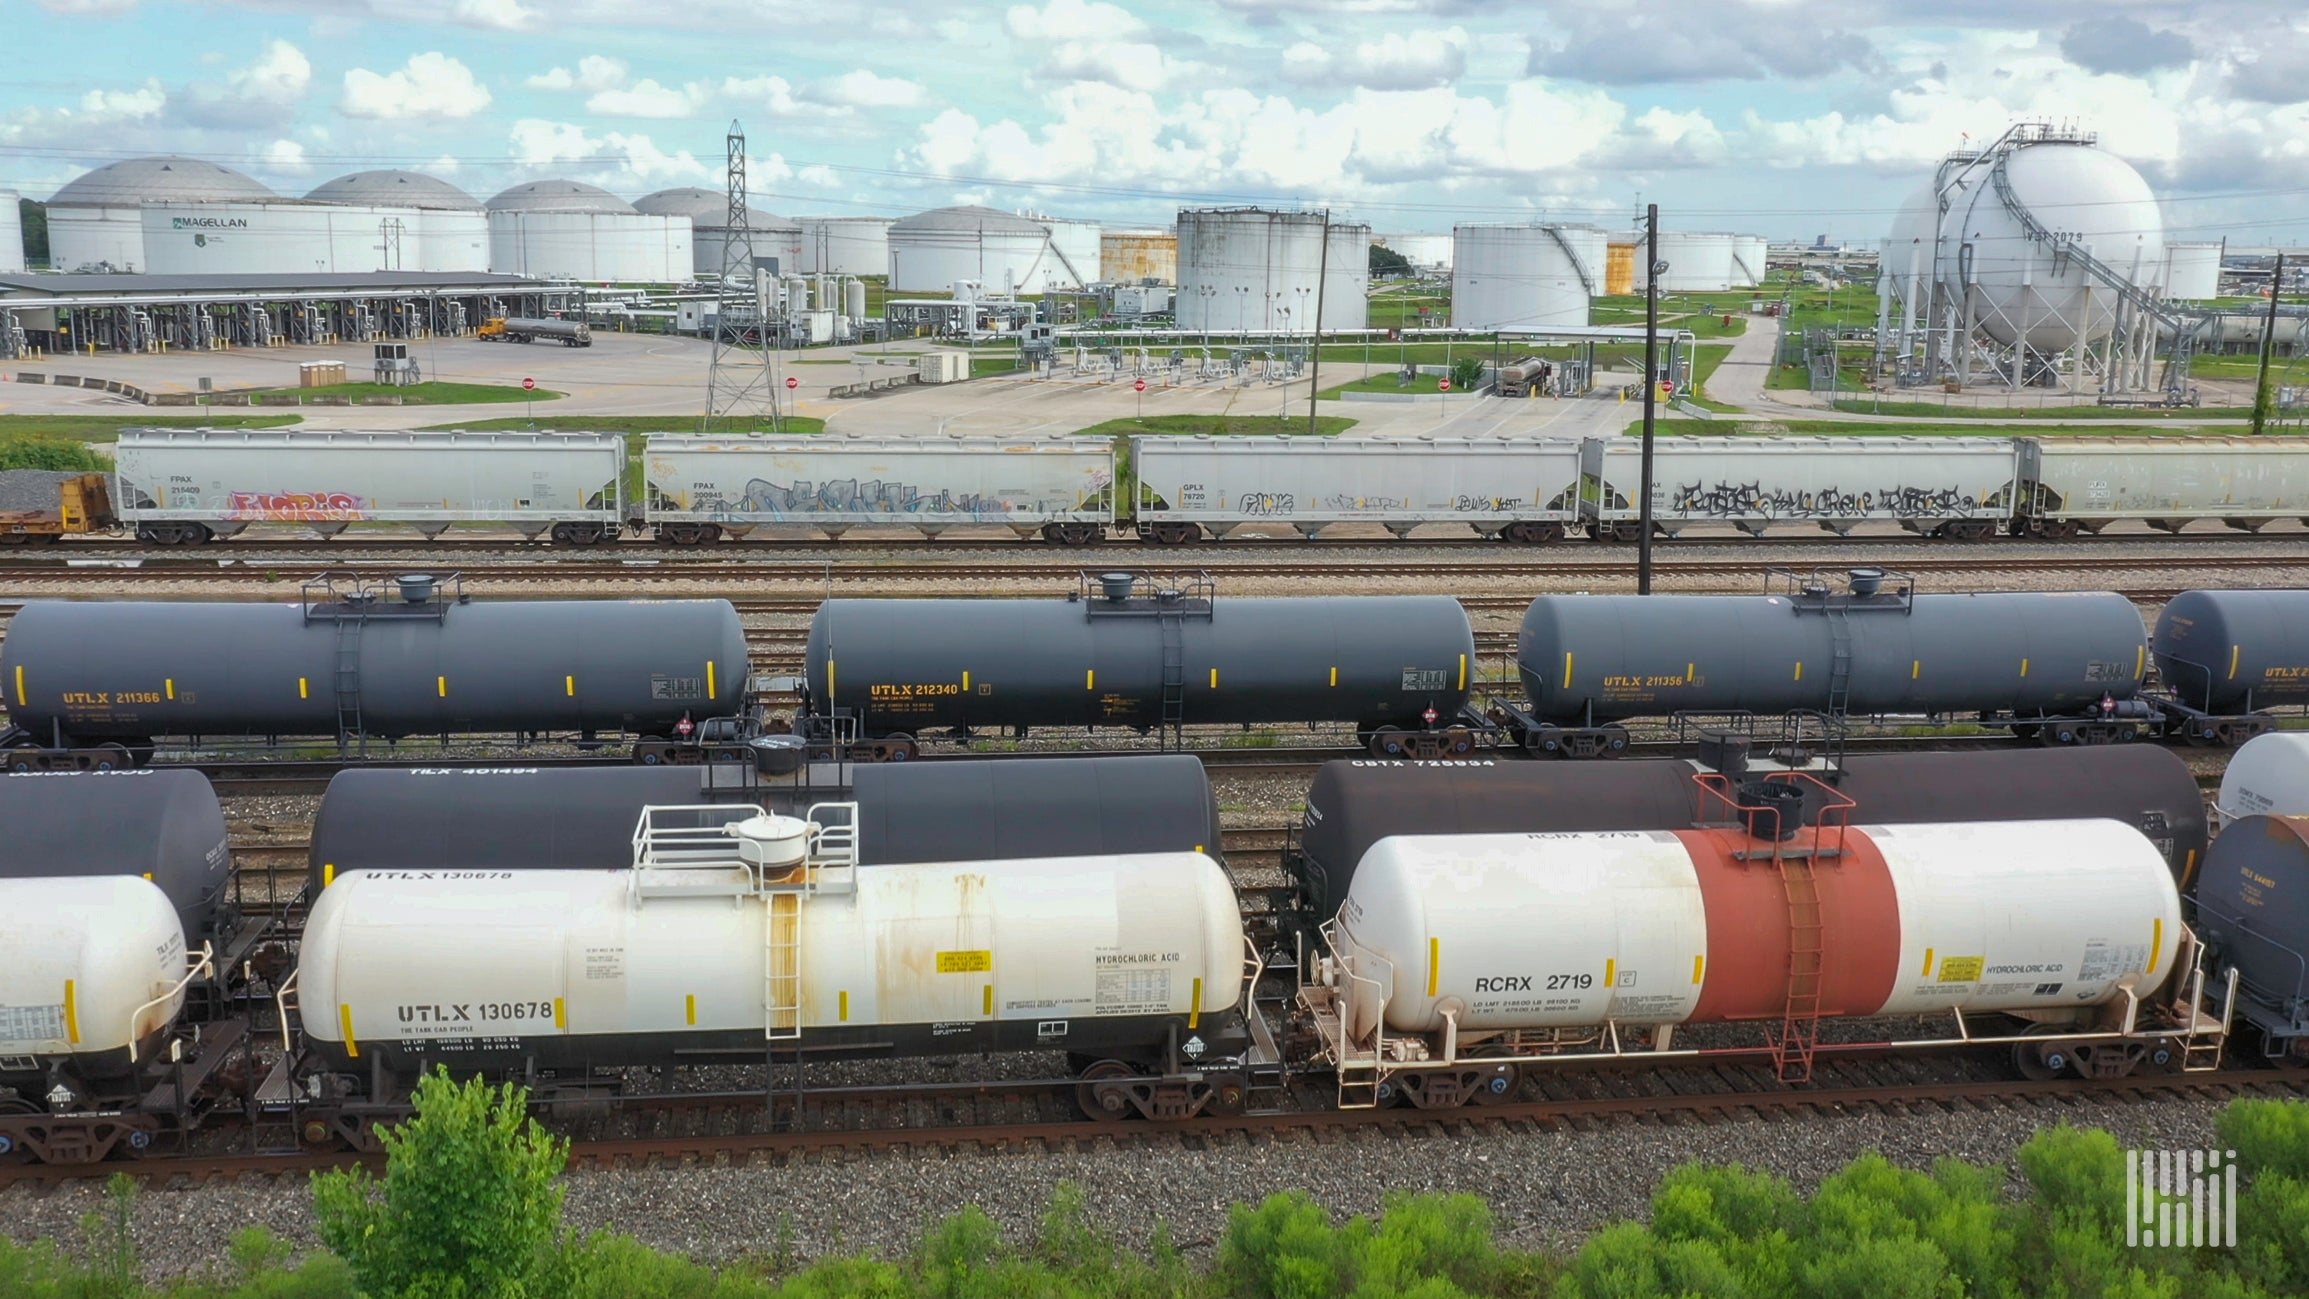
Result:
[1100,658]
[164,826]
[583,818]
[1599,658]
[2231,652]
[2253,913]
[409,658]
[1352,805]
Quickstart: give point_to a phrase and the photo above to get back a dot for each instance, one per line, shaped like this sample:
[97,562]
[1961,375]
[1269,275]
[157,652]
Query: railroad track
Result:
[965,1118]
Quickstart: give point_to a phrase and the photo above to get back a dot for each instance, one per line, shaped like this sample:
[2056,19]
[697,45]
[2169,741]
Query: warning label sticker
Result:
[1961,969]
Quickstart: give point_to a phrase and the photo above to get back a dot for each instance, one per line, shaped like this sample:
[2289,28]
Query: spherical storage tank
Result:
[11,233]
[2016,293]
[94,971]
[1248,269]
[1671,927]
[583,818]
[97,221]
[2230,652]
[450,227]
[127,671]
[929,251]
[161,825]
[845,245]
[1524,276]
[1352,805]
[708,213]
[910,666]
[2032,654]
[1134,256]
[566,229]
[2267,776]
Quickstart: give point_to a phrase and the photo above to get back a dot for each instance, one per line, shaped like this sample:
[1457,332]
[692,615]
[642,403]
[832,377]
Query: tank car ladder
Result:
[1174,713]
[1799,1035]
[782,966]
[347,681]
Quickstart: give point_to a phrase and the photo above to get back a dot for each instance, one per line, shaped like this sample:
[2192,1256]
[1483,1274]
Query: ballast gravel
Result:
[1546,1189]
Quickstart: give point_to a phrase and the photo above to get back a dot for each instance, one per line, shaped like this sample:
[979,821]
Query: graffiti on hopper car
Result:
[1268,504]
[1343,501]
[1752,500]
[805,499]
[1487,504]
[299,507]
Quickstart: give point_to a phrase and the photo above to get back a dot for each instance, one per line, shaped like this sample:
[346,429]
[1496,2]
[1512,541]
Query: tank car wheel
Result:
[1499,1087]
[1387,742]
[2042,1062]
[1229,1095]
[1458,741]
[1100,1096]
[112,757]
[899,747]
[22,763]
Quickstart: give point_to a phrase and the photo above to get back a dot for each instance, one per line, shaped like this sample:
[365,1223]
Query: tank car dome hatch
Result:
[709,209]
[560,196]
[141,180]
[394,188]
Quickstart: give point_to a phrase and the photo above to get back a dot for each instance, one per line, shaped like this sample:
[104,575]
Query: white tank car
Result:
[1135,958]
[94,968]
[1503,932]
[2269,776]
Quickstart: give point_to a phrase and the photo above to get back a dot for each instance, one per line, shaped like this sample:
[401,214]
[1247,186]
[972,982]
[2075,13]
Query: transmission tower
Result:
[740,385]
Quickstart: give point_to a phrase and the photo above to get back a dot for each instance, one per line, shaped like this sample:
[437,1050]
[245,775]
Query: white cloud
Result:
[498,15]
[775,94]
[144,101]
[644,98]
[429,85]
[1395,61]
[615,160]
[594,73]
[1070,20]
[865,89]
[280,76]
[287,157]
[1133,65]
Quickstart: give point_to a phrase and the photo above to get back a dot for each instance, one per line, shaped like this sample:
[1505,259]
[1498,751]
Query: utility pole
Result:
[1315,334]
[2263,399]
[740,387]
[1651,392]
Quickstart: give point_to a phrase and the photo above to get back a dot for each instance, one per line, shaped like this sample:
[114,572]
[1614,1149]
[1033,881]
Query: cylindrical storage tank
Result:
[96,223]
[845,245]
[1254,271]
[280,238]
[12,254]
[85,956]
[2230,652]
[1353,804]
[583,818]
[708,212]
[910,666]
[2192,272]
[1134,256]
[1622,270]
[1507,932]
[2009,282]
[1748,253]
[451,230]
[1102,956]
[2252,910]
[134,670]
[1074,253]
[1698,262]
[567,229]
[854,298]
[2267,776]
[2029,653]
[161,825]
[1005,253]
[1524,276]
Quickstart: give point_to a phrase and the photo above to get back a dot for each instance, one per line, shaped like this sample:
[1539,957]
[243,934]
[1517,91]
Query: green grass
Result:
[1854,428]
[1385,353]
[1936,410]
[1228,425]
[106,428]
[631,424]
[1004,363]
[1387,381]
[419,394]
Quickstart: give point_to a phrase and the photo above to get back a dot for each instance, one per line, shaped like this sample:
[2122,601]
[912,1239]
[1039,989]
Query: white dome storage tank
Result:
[1697,262]
[2067,185]
[567,229]
[1524,276]
[708,211]
[97,221]
[11,233]
[1241,268]
[280,238]
[1075,245]
[929,251]
[1134,256]
[2192,272]
[845,245]
[452,230]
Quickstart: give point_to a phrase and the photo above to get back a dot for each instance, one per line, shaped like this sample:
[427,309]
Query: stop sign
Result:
[792,383]
[1140,385]
[1443,385]
[529,384]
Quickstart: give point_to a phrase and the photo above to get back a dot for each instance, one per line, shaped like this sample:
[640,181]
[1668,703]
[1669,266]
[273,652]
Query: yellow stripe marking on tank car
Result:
[328,873]
[1699,968]
[2189,870]
[1567,669]
[829,678]
[2234,650]
[693,1009]
[1915,669]
[441,684]
[345,1022]
[560,1014]
[1926,972]
[2156,943]
[842,1007]
[72,1012]
[1434,963]
[2140,660]
[1462,672]
[966,679]
[168,684]
[304,690]
[20,699]
[1334,676]
[1214,678]
[1090,678]
[986,1002]
[1610,968]
[2024,667]
[148,874]
[713,691]
[1799,670]
[1691,672]
[1194,1007]
[569,686]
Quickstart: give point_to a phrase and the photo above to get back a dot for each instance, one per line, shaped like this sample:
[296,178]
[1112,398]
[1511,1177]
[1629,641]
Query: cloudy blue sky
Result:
[1786,117]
